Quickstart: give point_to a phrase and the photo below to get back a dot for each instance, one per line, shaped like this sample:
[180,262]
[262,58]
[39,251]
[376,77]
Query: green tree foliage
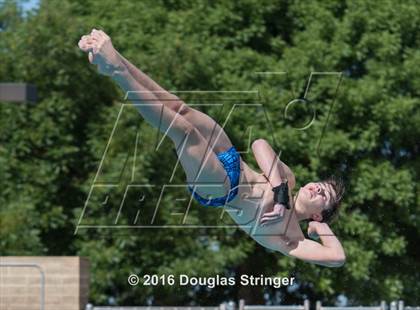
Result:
[365,128]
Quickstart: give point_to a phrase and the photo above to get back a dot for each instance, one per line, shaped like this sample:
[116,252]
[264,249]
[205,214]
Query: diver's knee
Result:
[184,109]
[188,129]
[185,129]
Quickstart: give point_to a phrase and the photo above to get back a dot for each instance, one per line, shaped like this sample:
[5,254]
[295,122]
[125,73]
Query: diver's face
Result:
[313,198]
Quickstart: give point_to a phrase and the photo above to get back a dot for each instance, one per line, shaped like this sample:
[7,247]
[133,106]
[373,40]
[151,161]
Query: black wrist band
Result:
[281,194]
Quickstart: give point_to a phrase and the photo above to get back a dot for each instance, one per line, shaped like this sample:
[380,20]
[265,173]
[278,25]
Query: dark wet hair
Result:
[337,183]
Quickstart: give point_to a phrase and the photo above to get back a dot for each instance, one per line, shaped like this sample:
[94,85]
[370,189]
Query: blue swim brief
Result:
[230,160]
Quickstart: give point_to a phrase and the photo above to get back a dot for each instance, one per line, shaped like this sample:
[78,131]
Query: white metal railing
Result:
[42,280]
[242,306]
[382,306]
[399,305]
[91,307]
[395,305]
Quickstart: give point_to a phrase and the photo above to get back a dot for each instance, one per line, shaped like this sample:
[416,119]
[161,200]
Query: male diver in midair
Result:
[274,220]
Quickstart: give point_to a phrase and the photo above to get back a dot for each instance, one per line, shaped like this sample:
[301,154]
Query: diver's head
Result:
[319,201]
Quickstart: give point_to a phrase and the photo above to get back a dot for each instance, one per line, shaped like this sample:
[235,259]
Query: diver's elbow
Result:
[339,261]
[258,144]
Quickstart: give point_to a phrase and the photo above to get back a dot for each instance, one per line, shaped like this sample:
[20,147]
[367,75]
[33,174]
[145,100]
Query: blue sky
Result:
[29,4]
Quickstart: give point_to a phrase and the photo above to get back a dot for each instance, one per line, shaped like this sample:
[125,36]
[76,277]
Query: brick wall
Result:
[66,282]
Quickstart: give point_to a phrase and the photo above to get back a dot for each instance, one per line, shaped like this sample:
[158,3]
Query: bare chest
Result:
[255,198]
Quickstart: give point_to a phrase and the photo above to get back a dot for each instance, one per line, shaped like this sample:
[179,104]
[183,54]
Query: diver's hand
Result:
[101,52]
[273,216]
[313,229]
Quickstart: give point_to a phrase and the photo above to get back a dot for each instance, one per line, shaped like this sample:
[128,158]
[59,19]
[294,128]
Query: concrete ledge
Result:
[18,92]
[57,282]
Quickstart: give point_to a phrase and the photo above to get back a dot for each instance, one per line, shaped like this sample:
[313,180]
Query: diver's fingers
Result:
[278,210]
[273,219]
[96,34]
[266,217]
[86,47]
[276,214]
[87,40]
[90,39]
[270,214]
[83,46]
[103,34]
